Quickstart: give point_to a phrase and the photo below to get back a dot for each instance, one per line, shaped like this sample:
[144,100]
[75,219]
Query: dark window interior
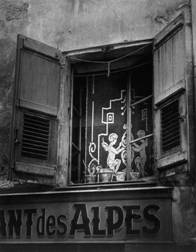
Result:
[112,124]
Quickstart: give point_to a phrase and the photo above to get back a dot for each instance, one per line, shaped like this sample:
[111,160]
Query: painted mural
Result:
[107,131]
[141,142]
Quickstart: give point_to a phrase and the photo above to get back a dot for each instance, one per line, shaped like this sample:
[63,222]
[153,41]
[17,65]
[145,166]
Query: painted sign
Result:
[125,220]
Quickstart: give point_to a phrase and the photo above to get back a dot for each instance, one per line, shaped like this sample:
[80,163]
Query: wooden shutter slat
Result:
[170,134]
[35,138]
[35,151]
[30,128]
[30,132]
[41,130]
[35,145]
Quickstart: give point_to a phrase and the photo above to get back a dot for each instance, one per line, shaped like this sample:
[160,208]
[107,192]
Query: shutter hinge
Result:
[17,104]
[182,118]
[16,141]
[69,112]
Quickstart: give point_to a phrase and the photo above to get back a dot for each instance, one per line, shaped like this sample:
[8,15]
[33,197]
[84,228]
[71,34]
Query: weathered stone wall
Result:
[73,24]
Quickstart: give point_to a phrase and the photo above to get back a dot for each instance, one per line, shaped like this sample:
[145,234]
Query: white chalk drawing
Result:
[139,149]
[112,162]
[108,141]
[109,119]
[124,144]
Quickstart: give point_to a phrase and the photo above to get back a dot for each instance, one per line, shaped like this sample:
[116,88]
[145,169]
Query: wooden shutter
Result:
[36,107]
[172,91]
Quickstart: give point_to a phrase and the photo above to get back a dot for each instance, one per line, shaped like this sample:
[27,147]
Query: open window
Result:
[109,114]
[112,122]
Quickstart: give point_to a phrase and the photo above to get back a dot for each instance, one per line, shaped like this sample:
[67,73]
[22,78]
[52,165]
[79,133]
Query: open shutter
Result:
[35,126]
[172,92]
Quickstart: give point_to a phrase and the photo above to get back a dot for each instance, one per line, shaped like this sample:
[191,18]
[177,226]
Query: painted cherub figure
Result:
[141,149]
[112,162]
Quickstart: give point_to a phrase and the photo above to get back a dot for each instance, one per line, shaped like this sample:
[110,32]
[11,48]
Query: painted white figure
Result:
[138,165]
[141,149]
[124,144]
[112,162]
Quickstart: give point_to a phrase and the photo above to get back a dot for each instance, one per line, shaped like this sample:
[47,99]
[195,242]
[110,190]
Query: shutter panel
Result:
[39,80]
[35,125]
[172,85]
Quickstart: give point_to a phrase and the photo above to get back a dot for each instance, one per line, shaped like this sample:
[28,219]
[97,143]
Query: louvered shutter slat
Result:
[170,126]
[30,146]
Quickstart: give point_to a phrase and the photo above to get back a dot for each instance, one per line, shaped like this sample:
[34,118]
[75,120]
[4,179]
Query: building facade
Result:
[98,125]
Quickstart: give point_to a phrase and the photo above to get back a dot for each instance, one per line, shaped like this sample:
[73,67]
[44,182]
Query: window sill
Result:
[89,194]
[144,182]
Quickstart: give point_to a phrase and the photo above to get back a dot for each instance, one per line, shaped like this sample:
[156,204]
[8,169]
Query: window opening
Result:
[112,125]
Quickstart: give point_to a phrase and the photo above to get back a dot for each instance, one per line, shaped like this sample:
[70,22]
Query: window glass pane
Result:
[141,123]
[78,130]
[106,134]
[75,164]
[142,157]
[100,127]
[76,127]
[76,92]
[141,82]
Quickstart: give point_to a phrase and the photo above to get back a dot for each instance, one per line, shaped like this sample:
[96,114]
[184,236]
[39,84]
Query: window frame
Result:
[72,58]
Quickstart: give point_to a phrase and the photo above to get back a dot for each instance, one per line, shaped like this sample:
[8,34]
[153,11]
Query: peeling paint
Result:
[14,11]
[161,19]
